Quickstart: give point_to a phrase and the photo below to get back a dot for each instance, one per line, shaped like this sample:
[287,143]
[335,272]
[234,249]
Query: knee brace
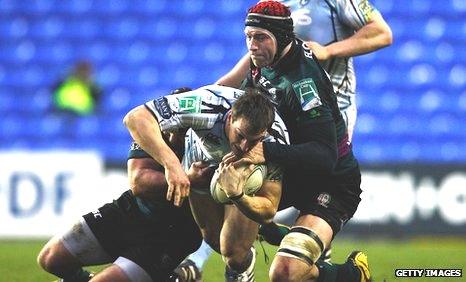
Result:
[301,243]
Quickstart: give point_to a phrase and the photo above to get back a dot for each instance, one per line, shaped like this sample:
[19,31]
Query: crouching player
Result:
[144,236]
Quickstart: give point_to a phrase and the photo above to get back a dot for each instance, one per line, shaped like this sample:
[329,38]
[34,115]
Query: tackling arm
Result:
[145,130]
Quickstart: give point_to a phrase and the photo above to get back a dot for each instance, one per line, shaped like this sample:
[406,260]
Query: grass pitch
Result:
[18,258]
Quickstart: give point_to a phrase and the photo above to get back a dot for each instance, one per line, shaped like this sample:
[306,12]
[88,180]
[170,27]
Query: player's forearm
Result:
[259,209]
[264,205]
[310,156]
[316,153]
[373,36]
[236,75]
[145,131]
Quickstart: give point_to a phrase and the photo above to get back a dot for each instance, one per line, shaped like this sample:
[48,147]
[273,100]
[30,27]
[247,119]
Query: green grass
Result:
[18,258]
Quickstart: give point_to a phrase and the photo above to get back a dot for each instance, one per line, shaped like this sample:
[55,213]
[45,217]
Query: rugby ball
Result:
[253,184]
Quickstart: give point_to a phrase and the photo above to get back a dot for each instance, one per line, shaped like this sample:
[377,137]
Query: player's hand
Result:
[232,179]
[178,184]
[200,174]
[319,51]
[254,156]
[229,158]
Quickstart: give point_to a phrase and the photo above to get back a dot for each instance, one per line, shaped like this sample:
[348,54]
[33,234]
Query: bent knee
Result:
[54,257]
[290,269]
[47,259]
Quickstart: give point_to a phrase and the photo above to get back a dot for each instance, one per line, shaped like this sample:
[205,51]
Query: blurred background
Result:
[58,161]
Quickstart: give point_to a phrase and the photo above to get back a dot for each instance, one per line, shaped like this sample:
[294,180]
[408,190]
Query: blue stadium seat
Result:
[117,101]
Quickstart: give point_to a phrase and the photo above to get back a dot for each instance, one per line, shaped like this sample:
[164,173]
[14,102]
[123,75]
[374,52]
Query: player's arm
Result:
[319,153]
[261,207]
[375,34]
[237,74]
[145,130]
[146,178]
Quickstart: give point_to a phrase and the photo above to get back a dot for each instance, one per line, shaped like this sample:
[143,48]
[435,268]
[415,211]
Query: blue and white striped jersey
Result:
[204,112]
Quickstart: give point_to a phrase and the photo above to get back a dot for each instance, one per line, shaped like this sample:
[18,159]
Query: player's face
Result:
[240,138]
[261,46]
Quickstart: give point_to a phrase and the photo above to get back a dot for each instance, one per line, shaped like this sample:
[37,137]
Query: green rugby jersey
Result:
[304,98]
[328,21]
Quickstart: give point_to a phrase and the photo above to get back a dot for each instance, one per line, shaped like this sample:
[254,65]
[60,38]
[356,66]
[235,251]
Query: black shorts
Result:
[157,243]
[334,199]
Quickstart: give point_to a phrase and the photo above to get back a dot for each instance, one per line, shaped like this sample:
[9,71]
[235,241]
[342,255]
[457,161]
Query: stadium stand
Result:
[412,95]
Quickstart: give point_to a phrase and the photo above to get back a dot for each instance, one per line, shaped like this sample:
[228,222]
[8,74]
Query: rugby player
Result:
[335,31]
[321,175]
[221,120]
[140,233]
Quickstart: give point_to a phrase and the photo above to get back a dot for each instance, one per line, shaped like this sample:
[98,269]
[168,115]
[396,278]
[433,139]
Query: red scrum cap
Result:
[274,17]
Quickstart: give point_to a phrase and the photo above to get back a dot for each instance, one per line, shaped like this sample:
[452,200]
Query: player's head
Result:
[247,124]
[269,29]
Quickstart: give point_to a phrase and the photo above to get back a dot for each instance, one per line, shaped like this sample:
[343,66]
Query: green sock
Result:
[337,272]
[79,275]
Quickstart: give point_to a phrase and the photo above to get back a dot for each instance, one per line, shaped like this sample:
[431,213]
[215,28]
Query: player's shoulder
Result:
[222,91]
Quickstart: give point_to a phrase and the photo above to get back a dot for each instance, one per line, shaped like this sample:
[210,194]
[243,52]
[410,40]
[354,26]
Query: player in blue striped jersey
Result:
[221,120]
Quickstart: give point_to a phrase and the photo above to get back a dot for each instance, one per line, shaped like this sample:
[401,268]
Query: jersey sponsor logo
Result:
[189,104]
[267,86]
[324,199]
[308,95]
[161,105]
[97,214]
[366,9]
[307,51]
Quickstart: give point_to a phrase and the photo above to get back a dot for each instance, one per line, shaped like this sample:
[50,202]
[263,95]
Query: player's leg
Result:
[236,241]
[297,256]
[286,218]
[274,232]
[322,214]
[300,249]
[209,217]
[122,270]
[64,255]
[191,268]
